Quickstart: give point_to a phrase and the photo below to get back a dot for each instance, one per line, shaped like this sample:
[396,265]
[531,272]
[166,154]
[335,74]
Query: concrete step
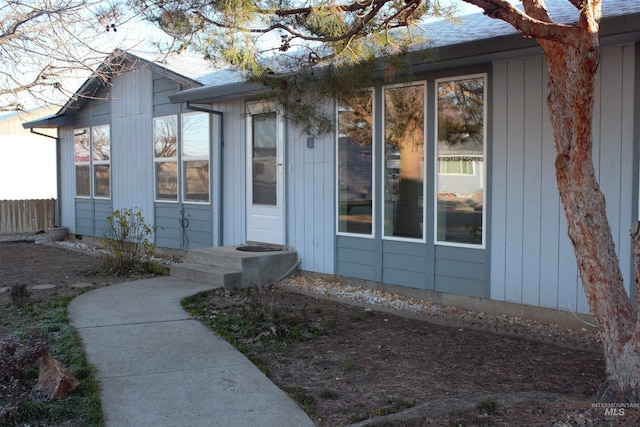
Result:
[224,277]
[254,268]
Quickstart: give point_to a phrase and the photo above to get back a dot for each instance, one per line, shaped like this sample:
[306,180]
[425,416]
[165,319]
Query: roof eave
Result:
[54,121]
[208,94]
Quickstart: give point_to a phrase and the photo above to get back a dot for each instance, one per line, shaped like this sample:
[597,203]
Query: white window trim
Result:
[484,177]
[423,239]
[374,191]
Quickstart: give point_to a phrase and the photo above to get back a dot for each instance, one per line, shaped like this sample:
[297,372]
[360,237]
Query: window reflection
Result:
[83,181]
[195,156]
[101,143]
[355,165]
[195,135]
[82,143]
[165,143]
[264,158]
[167,181]
[102,181]
[165,136]
[460,151]
[196,177]
[404,161]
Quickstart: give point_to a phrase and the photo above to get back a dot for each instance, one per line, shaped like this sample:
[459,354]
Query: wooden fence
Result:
[26,216]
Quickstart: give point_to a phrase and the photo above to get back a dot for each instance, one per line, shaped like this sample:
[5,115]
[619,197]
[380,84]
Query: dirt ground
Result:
[371,367]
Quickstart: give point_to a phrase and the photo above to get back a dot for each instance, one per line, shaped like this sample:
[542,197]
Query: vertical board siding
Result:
[67,187]
[515,181]
[532,259]
[234,165]
[498,186]
[532,188]
[550,214]
[132,185]
[310,199]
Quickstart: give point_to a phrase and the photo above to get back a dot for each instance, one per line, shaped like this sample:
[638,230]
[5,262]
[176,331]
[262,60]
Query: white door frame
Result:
[266,217]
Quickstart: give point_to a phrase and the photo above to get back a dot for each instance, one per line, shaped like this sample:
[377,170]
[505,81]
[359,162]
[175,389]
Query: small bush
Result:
[19,295]
[127,241]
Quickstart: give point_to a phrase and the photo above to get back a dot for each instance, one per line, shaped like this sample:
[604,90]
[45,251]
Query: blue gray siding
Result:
[67,187]
[311,200]
[131,143]
[421,265]
[91,216]
[90,213]
[532,260]
[181,225]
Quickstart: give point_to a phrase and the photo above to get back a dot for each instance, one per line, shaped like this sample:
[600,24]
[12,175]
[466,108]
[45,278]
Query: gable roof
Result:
[190,71]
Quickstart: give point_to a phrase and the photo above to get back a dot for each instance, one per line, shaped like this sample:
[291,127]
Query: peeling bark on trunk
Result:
[572,71]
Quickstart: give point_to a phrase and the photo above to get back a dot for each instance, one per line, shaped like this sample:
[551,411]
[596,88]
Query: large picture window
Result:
[182,158]
[355,166]
[404,136]
[92,160]
[460,150]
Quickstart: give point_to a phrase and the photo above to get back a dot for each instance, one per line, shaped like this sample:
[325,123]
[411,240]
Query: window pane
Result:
[102,181]
[196,181]
[404,161]
[165,136]
[264,158]
[355,171]
[195,135]
[460,143]
[81,145]
[101,143]
[167,180]
[83,181]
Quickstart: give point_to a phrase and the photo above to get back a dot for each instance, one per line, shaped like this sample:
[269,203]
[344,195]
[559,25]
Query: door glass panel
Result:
[264,158]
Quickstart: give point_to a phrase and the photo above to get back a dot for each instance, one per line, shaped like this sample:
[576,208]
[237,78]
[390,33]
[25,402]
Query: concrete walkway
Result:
[158,367]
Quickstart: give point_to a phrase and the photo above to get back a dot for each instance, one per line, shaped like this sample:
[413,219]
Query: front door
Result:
[265,175]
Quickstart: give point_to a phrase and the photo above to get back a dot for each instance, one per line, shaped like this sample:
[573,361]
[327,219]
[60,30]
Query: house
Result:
[459,205]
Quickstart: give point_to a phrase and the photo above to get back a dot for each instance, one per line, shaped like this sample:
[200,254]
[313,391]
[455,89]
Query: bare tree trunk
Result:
[572,71]
[409,216]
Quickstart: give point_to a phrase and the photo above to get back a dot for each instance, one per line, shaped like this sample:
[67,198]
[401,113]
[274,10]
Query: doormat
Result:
[258,248]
